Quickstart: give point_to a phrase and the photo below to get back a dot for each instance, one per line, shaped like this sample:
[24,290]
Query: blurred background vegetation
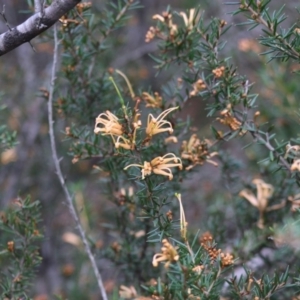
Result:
[209,192]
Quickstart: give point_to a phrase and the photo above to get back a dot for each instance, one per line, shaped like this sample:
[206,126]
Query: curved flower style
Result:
[110,124]
[160,165]
[157,125]
[189,21]
[124,143]
[166,18]
[169,254]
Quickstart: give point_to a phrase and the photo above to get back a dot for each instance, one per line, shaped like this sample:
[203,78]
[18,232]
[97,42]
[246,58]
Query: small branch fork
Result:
[56,160]
[42,20]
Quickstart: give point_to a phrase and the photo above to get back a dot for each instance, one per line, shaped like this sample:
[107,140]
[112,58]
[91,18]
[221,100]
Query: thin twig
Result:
[8,26]
[259,19]
[4,18]
[70,203]
[268,145]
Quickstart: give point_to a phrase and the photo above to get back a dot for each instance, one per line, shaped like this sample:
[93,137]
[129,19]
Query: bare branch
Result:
[35,25]
[70,203]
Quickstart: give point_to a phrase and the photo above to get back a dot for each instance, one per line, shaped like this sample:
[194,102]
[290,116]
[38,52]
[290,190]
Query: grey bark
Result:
[35,25]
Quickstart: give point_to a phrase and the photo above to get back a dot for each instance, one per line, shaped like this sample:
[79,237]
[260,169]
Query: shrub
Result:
[143,149]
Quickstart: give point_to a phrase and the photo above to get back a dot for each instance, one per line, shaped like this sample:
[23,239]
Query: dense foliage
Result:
[142,148]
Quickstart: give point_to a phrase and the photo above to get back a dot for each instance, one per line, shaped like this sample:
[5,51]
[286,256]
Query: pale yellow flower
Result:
[158,125]
[167,19]
[226,259]
[264,192]
[260,201]
[152,101]
[169,254]
[108,123]
[198,86]
[150,35]
[227,118]
[292,151]
[198,269]
[219,72]
[127,292]
[295,165]
[124,143]
[160,165]
[159,17]
[189,21]
[197,152]
[129,192]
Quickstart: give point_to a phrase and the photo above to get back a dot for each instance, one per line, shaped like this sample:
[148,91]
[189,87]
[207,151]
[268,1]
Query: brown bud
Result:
[11,246]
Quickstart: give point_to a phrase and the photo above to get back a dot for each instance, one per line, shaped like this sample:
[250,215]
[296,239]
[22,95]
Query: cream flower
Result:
[189,21]
[152,101]
[160,165]
[109,124]
[169,254]
[167,19]
[295,151]
[295,165]
[227,118]
[158,125]
[127,292]
[197,152]
[260,201]
[124,143]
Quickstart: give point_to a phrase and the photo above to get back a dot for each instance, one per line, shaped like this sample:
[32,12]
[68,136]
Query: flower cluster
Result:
[11,246]
[159,124]
[150,35]
[108,124]
[219,72]
[198,86]
[206,241]
[260,201]
[189,21]
[111,125]
[160,165]
[166,18]
[228,119]
[197,152]
[169,254]
[152,101]
[226,259]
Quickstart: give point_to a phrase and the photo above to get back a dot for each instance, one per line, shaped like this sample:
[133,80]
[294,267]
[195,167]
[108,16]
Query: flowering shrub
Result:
[143,151]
